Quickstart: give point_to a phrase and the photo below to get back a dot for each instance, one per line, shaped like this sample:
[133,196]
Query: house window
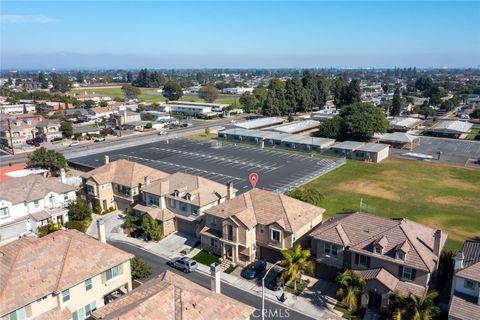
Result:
[362,260]
[377,249]
[42,298]
[212,242]
[19,314]
[183,207]
[400,255]
[153,201]
[112,273]
[65,197]
[213,220]
[4,214]
[468,284]
[85,311]
[275,235]
[194,211]
[88,284]
[36,204]
[66,295]
[172,203]
[330,249]
[407,273]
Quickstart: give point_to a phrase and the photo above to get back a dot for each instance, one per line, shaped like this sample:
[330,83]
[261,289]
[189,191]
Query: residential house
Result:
[84,130]
[29,202]
[465,297]
[117,184]
[91,96]
[392,255]
[258,224]
[174,297]
[49,129]
[17,108]
[64,275]
[179,201]
[103,112]
[17,130]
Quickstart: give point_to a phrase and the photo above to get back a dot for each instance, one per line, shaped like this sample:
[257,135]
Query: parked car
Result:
[27,234]
[74,143]
[275,283]
[183,263]
[33,142]
[99,139]
[163,133]
[233,121]
[27,147]
[254,269]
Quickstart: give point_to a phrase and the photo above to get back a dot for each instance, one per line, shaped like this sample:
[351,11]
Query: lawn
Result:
[205,258]
[150,95]
[473,134]
[436,195]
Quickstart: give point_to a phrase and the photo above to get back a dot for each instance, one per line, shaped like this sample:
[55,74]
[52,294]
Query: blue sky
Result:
[201,34]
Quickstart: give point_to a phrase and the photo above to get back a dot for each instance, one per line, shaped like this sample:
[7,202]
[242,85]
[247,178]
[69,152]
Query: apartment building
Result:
[17,108]
[29,202]
[16,130]
[64,275]
[117,184]
[465,296]
[392,255]
[179,201]
[174,297]
[257,224]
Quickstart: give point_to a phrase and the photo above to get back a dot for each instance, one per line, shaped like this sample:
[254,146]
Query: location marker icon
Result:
[253,177]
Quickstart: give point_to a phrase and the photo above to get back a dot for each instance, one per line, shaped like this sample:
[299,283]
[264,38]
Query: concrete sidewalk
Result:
[311,303]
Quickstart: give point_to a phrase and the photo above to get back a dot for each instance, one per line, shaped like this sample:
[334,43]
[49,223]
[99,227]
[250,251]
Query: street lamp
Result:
[263,288]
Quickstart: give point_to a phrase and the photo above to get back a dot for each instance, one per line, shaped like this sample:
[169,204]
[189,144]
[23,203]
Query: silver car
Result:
[185,264]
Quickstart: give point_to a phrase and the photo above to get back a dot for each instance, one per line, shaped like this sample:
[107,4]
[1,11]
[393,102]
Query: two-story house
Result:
[29,202]
[392,255]
[465,297]
[257,224]
[64,275]
[117,184]
[16,130]
[170,296]
[49,129]
[179,201]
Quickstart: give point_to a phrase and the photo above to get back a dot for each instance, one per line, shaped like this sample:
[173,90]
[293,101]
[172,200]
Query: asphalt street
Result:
[159,265]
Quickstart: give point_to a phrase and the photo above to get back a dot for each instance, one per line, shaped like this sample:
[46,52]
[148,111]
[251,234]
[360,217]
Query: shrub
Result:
[49,228]
[77,225]
[140,270]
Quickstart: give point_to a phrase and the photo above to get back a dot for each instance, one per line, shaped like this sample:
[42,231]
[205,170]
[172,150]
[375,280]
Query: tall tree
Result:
[339,91]
[67,128]
[350,287]
[354,93]
[79,210]
[360,121]
[129,77]
[80,78]
[330,128]
[61,83]
[130,91]
[296,262]
[396,103]
[43,80]
[208,93]
[425,308]
[47,159]
[248,101]
[172,90]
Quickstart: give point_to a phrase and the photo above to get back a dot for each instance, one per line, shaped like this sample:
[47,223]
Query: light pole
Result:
[263,288]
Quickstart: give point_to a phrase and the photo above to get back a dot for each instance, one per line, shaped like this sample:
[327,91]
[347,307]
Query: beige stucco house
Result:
[64,275]
[117,184]
[179,201]
[257,224]
[392,255]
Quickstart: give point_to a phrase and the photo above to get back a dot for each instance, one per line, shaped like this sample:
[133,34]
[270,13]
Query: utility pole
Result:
[11,138]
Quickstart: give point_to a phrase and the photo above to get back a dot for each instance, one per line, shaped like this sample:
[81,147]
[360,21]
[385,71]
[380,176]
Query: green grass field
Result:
[149,95]
[439,196]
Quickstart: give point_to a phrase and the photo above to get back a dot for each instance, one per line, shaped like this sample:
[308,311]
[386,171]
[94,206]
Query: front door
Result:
[105,205]
[374,300]
[229,252]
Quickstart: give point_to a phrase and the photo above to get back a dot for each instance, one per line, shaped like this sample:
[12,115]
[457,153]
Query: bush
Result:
[77,225]
[140,270]
[151,228]
[49,228]
[79,210]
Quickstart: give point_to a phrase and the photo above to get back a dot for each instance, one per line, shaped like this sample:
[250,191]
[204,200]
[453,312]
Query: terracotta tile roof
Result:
[463,307]
[40,215]
[31,268]
[30,188]
[155,213]
[472,272]
[203,191]
[381,275]
[174,297]
[363,230]
[124,172]
[263,207]
[406,288]
[56,314]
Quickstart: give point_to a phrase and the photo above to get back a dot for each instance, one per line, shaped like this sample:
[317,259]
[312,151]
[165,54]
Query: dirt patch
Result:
[455,201]
[368,188]
[459,184]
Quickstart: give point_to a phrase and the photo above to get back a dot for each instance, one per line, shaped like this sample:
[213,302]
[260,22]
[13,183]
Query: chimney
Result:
[459,257]
[107,159]
[146,180]
[436,242]
[63,176]
[215,272]
[101,230]
[230,192]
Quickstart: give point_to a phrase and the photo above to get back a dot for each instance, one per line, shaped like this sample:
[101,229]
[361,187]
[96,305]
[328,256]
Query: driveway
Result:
[112,221]
[172,245]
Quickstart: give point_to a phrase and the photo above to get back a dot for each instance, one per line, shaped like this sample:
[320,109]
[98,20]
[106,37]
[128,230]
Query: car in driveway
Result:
[183,263]
[275,282]
[254,269]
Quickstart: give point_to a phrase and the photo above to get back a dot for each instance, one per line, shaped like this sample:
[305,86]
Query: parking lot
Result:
[278,171]
[455,151]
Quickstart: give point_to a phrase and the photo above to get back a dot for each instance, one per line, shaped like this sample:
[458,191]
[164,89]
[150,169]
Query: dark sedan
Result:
[254,269]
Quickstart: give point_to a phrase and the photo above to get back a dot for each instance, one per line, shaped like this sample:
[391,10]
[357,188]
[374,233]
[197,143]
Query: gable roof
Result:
[177,298]
[124,172]
[30,188]
[263,207]
[31,268]
[364,230]
[202,190]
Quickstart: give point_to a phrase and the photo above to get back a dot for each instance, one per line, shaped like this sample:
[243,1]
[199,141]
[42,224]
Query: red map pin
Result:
[253,177]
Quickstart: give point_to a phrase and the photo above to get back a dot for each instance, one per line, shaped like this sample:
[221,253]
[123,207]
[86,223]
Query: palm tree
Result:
[398,306]
[350,287]
[295,262]
[424,309]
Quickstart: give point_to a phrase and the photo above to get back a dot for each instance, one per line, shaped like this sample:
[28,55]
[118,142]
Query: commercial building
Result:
[259,123]
[392,255]
[297,126]
[450,129]
[31,201]
[193,108]
[404,124]
[64,275]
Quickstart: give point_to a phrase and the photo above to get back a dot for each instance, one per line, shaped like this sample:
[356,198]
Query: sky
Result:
[238,34]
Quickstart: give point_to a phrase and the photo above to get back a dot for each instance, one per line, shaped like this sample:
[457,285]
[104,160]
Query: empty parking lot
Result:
[278,171]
